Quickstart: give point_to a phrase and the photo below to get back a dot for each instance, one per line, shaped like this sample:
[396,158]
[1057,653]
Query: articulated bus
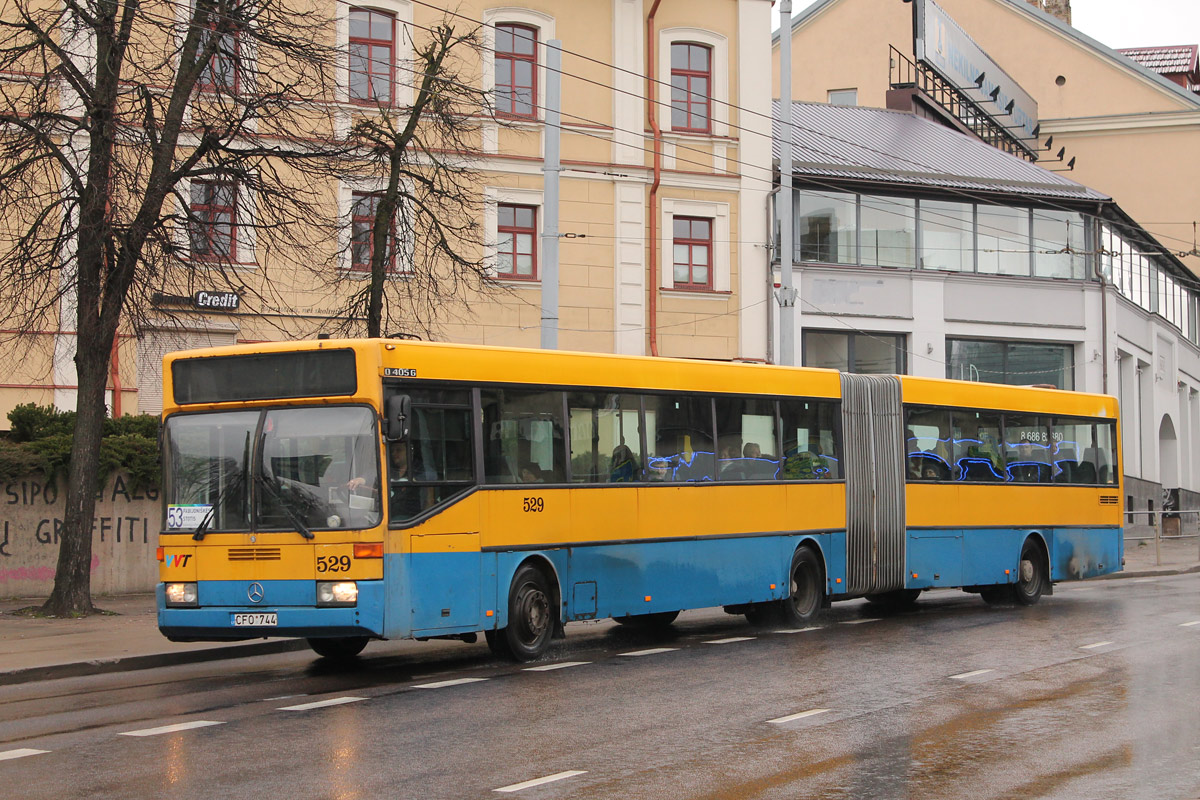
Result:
[344,491]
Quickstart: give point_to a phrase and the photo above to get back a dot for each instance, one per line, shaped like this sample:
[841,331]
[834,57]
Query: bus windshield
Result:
[312,468]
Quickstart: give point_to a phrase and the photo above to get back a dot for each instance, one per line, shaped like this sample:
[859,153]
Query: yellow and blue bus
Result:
[344,491]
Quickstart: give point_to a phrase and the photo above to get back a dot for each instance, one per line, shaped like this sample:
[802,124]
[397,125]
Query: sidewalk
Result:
[33,649]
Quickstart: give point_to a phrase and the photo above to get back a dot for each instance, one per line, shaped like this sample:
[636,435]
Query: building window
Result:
[888,231]
[1003,234]
[516,70]
[947,236]
[372,53]
[864,353]
[843,97]
[362,220]
[212,227]
[221,73]
[826,229]
[691,86]
[516,242]
[692,253]
[1013,363]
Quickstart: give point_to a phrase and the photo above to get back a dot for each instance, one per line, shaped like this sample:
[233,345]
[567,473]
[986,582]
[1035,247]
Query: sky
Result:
[1119,23]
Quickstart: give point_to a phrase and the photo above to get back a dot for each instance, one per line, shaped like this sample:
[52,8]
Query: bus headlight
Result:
[181,594]
[337,593]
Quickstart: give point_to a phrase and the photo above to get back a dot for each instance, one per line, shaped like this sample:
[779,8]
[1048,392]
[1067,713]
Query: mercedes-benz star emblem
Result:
[255,592]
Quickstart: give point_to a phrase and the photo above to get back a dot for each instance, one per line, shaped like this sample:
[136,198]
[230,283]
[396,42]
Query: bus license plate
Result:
[257,619]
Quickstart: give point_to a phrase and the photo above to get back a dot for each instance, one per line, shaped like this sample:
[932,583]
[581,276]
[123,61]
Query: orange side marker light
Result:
[772,586]
[838,580]
[158,554]
[647,598]
[914,574]
[1008,572]
[488,613]
[368,550]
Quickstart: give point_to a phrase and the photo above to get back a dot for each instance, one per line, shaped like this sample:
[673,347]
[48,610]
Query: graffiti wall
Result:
[124,537]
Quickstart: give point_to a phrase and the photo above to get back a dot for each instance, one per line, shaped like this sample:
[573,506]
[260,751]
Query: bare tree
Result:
[424,248]
[123,124]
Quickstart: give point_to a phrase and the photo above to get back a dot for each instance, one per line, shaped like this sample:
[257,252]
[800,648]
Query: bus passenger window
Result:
[811,449]
[683,446]
[977,456]
[523,436]
[1027,448]
[605,437]
[927,444]
[746,439]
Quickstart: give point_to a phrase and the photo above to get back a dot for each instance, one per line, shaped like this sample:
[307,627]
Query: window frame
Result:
[203,85]
[369,42]
[689,75]
[514,230]
[195,225]
[691,243]
[357,197]
[513,57]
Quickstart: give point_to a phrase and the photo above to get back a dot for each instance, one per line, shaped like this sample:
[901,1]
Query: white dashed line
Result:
[337,701]
[652,652]
[964,675]
[182,726]
[731,640]
[859,621]
[1093,645]
[445,684]
[812,712]
[1189,624]
[25,751]
[563,665]
[800,630]
[558,776]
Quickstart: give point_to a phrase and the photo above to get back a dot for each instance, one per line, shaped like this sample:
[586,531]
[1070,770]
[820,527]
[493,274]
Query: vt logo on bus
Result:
[178,561]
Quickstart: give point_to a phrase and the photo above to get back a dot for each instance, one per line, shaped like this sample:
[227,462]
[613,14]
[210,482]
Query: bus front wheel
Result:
[530,617]
[1031,577]
[338,648]
[807,594]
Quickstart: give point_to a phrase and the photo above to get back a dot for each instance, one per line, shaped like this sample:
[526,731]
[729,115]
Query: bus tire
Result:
[340,648]
[806,592]
[647,622]
[1031,575]
[530,615]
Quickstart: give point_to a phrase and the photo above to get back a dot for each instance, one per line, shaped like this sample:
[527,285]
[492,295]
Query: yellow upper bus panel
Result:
[1034,400]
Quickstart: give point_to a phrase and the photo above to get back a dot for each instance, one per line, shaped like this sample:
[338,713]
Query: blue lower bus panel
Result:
[290,604]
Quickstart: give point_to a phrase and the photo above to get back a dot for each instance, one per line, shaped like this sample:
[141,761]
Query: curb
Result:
[129,663]
[1150,572]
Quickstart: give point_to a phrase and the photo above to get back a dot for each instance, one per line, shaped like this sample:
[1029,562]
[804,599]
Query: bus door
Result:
[873,445]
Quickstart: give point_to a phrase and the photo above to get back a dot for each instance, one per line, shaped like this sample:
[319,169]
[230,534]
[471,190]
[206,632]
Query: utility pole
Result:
[550,170]
[786,295]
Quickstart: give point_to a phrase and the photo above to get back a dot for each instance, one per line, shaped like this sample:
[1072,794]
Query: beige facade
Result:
[1132,132]
[609,301]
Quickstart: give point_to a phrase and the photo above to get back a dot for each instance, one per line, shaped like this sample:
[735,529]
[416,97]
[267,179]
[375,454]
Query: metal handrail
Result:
[1156,523]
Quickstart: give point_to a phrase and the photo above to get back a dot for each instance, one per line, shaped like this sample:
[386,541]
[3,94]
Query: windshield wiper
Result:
[300,528]
[202,528]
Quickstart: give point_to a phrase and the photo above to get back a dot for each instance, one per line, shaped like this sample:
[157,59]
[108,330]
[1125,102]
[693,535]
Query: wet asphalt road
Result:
[1095,693]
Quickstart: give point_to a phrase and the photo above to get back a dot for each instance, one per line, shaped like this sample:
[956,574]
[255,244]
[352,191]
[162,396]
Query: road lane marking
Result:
[859,621]
[964,675]
[444,684]
[1190,624]
[812,712]
[1144,580]
[558,776]
[563,665]
[731,640]
[651,652]
[336,701]
[182,726]
[800,630]
[24,751]
[1093,645]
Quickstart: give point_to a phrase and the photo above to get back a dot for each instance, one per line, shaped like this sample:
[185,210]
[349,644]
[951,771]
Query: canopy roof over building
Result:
[851,143]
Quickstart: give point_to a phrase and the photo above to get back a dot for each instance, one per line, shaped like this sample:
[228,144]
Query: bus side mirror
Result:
[397,414]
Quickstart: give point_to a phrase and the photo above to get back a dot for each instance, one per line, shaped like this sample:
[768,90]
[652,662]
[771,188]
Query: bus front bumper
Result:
[289,605]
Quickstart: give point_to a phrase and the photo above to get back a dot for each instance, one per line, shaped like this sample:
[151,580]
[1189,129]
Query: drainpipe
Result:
[770,276]
[1103,307]
[652,115]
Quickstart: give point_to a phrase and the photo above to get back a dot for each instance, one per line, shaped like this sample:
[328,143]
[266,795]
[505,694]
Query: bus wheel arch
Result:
[534,617]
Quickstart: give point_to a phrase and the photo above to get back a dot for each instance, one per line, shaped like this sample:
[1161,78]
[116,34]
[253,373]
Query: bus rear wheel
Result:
[1031,575]
[530,616]
[340,648]
[807,593]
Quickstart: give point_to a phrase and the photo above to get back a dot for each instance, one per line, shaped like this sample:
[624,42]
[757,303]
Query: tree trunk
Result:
[72,593]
